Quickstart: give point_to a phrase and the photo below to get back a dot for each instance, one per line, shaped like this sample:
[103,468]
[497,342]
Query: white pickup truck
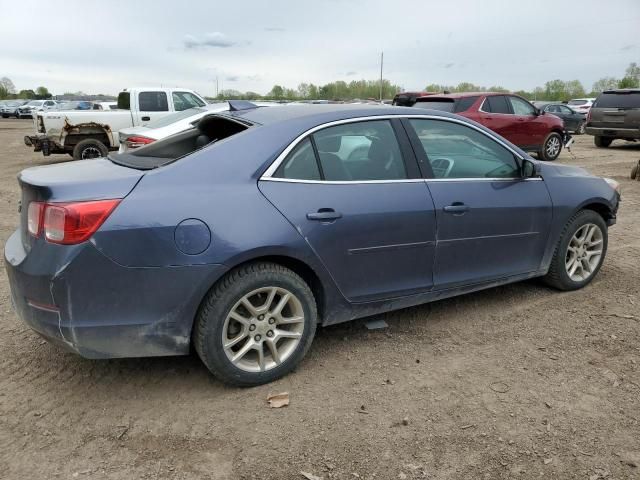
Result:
[93,133]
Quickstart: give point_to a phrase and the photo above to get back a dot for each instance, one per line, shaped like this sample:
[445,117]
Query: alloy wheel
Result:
[553,147]
[584,252]
[263,329]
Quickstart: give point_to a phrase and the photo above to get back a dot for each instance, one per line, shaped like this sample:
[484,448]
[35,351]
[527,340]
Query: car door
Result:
[491,223]
[151,105]
[571,119]
[530,130]
[495,113]
[354,192]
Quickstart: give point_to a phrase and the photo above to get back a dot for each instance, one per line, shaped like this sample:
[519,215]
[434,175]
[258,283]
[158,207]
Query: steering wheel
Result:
[441,166]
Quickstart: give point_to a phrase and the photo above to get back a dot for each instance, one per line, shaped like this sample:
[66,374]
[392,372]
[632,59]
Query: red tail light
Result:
[138,141]
[589,116]
[68,223]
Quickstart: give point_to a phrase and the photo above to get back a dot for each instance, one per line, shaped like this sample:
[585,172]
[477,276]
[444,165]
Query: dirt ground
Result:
[515,382]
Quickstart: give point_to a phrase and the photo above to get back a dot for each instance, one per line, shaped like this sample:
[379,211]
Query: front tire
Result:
[579,253]
[551,147]
[256,324]
[581,128]
[602,142]
[90,148]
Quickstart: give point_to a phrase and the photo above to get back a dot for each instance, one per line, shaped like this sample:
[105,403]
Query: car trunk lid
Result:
[97,179]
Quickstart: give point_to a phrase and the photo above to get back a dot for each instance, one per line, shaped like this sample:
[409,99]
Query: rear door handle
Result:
[324,214]
[457,208]
[145,119]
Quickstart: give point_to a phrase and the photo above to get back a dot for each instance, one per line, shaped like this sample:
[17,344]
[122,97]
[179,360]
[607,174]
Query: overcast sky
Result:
[104,46]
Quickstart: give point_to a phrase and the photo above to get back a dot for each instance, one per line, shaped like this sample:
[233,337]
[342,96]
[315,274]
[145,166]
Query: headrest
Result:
[329,144]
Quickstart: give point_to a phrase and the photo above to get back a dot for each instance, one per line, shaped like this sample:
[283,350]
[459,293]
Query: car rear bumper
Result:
[80,299]
[41,143]
[630,133]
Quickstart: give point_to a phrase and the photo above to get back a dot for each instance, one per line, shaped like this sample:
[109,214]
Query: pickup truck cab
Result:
[86,134]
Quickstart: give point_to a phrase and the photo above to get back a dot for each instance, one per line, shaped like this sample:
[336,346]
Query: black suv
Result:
[615,114]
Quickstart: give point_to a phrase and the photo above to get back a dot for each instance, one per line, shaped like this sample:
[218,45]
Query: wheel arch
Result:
[601,208]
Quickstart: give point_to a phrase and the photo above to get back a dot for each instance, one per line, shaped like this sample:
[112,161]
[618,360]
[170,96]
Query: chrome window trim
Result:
[270,171]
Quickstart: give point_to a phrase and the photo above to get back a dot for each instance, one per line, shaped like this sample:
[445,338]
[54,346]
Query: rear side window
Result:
[496,104]
[124,101]
[153,102]
[464,104]
[521,107]
[618,100]
[300,164]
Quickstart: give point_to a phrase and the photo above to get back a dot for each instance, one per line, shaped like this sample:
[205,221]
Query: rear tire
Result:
[551,147]
[251,311]
[602,142]
[575,262]
[581,128]
[89,148]
[634,172]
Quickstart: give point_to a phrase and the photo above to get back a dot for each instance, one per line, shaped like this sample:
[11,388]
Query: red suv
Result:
[508,115]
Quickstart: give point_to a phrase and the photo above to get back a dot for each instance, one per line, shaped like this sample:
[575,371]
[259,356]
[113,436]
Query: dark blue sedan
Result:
[240,235]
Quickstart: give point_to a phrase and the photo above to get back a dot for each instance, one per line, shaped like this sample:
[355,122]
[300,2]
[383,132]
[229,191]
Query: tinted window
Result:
[563,109]
[445,105]
[185,100]
[618,100]
[521,107]
[496,104]
[124,100]
[463,104]
[300,164]
[458,151]
[360,151]
[577,102]
[153,102]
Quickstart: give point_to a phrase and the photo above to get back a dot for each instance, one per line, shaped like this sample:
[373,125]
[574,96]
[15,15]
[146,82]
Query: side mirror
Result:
[530,169]
[539,112]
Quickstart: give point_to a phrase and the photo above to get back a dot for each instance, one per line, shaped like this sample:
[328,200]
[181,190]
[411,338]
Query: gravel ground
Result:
[515,382]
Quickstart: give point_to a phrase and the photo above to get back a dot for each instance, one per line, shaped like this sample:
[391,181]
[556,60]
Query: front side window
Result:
[496,104]
[300,164]
[521,107]
[185,100]
[458,151]
[153,102]
[563,109]
[360,151]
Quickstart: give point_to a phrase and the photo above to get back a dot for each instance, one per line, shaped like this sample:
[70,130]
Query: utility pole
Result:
[381,63]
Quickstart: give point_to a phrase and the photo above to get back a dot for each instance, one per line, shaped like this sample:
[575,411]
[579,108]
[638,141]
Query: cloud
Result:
[213,39]
[232,78]
[449,65]
[626,48]
[351,73]
[274,29]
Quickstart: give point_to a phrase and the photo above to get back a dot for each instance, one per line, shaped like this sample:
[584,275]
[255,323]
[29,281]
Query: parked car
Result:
[239,236]
[85,105]
[582,105]
[509,115]
[615,115]
[136,137]
[29,109]
[10,108]
[92,134]
[573,121]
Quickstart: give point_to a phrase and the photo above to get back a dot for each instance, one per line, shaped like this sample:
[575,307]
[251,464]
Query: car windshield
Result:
[174,117]
[36,103]
[578,102]
[623,100]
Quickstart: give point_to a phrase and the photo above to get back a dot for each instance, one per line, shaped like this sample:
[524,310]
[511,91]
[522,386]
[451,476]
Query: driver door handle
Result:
[145,119]
[457,208]
[324,214]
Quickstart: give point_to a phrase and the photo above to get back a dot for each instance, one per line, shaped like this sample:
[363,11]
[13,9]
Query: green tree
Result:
[8,85]
[42,93]
[629,82]
[574,89]
[4,93]
[605,83]
[26,94]
[434,87]
[277,92]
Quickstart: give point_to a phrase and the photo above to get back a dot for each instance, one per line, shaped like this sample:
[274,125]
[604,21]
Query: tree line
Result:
[553,90]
